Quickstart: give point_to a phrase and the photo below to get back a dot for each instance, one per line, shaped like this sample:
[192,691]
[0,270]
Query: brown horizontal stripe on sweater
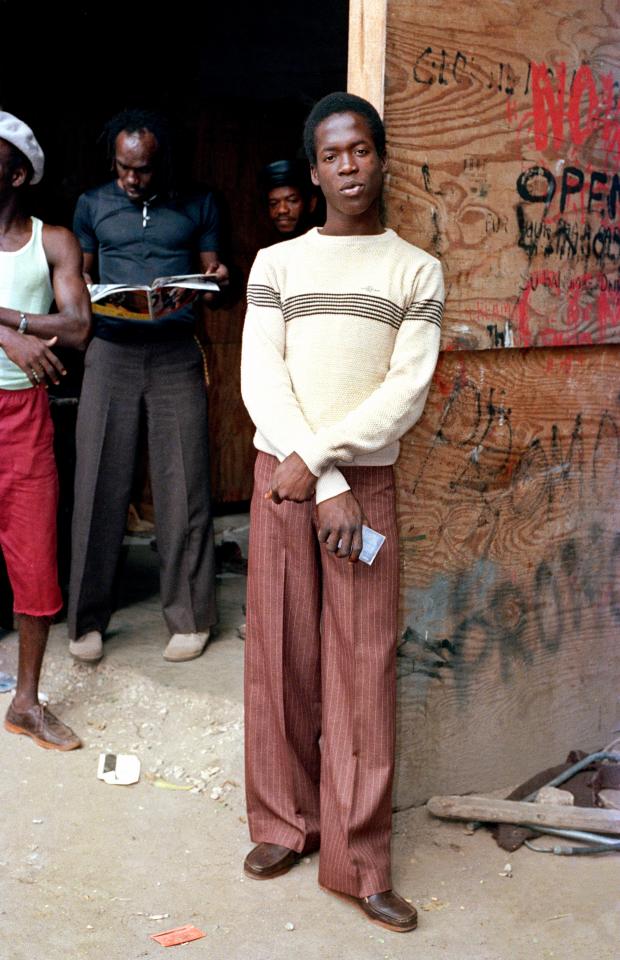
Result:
[429,310]
[348,304]
[260,295]
[345,304]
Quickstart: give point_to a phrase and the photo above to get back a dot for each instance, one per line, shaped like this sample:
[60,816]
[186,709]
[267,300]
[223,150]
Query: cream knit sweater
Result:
[339,346]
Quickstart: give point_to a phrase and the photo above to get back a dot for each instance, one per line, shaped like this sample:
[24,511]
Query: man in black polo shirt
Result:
[132,230]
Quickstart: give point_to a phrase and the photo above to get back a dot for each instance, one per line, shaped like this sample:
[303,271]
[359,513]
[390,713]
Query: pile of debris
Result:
[586,810]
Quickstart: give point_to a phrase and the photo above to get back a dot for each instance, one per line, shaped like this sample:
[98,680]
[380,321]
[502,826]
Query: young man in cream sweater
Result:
[340,344]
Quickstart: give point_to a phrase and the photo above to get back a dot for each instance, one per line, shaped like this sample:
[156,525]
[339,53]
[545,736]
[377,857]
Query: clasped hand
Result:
[292,480]
[340,526]
[340,518]
[34,356]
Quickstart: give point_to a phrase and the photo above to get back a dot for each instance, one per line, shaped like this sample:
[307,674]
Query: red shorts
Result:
[28,501]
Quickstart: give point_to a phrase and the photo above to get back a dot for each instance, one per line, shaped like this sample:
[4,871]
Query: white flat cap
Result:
[21,136]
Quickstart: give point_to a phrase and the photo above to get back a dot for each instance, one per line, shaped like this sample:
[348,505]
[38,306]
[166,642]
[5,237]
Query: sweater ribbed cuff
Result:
[330,484]
[312,455]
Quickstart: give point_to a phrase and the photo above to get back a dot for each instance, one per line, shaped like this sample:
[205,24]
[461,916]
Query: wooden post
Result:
[367,33]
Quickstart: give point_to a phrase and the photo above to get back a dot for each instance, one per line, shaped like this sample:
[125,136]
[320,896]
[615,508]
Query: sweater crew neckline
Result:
[348,240]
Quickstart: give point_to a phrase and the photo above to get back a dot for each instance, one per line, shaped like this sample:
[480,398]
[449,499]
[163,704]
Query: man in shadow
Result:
[291,199]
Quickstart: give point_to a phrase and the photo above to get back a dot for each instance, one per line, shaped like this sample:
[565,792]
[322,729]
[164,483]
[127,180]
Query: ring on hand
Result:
[35,376]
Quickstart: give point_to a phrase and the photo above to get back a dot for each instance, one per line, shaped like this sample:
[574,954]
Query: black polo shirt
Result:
[137,242]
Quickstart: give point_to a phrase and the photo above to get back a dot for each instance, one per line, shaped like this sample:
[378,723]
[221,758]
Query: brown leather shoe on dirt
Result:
[45,729]
[269,860]
[387,909]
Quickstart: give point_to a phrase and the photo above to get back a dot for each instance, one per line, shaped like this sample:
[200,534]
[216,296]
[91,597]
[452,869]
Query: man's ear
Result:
[18,177]
[314,176]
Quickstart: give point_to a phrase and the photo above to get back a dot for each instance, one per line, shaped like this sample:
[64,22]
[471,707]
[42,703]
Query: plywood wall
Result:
[504,140]
[510,536]
[503,129]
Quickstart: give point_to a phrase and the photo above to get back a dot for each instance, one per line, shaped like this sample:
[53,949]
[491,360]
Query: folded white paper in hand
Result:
[371,544]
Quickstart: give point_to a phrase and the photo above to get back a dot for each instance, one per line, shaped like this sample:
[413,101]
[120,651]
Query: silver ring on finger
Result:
[35,377]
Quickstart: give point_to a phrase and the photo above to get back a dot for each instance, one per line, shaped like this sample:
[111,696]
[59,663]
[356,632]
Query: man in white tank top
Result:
[39,264]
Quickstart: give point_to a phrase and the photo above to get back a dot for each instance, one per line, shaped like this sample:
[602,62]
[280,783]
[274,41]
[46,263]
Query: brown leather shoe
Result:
[45,729]
[269,860]
[388,909]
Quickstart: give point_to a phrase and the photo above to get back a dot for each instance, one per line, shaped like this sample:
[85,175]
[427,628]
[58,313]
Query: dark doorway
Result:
[236,81]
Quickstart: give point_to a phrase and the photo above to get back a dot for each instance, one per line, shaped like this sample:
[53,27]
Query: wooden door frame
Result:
[366,57]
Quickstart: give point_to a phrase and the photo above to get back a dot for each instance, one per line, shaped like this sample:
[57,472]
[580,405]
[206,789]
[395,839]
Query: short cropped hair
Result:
[342,103]
[137,120]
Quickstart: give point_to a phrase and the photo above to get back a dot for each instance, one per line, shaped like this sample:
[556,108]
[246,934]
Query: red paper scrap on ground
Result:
[178,935]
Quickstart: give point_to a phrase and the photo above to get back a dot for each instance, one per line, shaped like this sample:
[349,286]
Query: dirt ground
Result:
[89,871]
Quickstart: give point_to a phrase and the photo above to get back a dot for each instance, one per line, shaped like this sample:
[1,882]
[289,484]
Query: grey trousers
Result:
[165,380]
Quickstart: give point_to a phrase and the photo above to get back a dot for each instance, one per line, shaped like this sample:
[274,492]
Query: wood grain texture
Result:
[539,814]
[503,130]
[366,66]
[510,547]
[266,134]
[230,428]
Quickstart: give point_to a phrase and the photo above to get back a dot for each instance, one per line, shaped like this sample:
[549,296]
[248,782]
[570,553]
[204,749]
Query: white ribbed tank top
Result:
[24,285]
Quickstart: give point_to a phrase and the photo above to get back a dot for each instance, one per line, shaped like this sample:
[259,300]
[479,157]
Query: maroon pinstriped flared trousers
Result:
[320,663]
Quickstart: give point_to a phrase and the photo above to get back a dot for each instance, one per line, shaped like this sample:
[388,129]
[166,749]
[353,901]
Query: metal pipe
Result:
[570,851]
[597,839]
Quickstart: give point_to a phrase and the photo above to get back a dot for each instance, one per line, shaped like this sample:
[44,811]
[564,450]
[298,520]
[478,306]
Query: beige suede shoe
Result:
[88,648]
[186,646]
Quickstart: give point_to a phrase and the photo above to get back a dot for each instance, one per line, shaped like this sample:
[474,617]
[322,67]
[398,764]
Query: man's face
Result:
[286,208]
[5,165]
[135,160]
[348,168]
[11,175]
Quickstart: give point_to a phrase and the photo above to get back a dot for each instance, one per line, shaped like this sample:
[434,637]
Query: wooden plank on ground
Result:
[490,810]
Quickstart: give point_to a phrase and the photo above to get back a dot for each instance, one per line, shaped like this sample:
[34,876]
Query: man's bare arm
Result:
[88,266]
[71,325]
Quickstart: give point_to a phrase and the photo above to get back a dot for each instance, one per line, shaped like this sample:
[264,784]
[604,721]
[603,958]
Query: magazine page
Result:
[165,296]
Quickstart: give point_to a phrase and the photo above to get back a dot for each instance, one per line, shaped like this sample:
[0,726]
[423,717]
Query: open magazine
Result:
[165,295]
